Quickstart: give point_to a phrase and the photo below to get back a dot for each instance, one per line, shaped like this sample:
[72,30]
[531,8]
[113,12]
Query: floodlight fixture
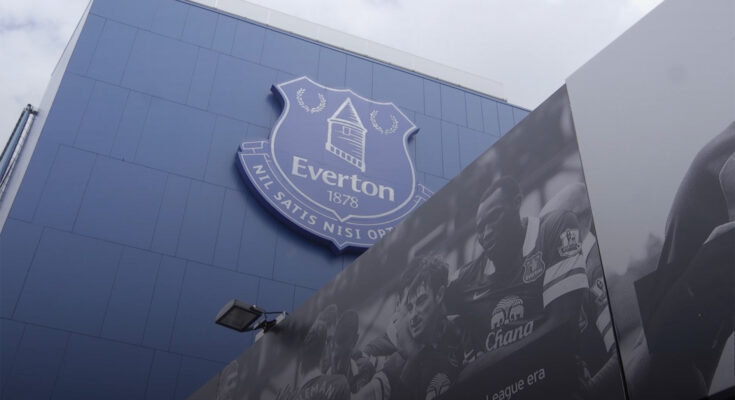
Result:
[244,317]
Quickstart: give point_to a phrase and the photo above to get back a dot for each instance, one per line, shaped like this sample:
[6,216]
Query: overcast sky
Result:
[530,46]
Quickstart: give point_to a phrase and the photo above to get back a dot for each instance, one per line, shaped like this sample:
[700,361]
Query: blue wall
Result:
[132,226]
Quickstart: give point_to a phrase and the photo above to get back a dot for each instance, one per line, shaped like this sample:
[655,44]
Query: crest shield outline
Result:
[336,164]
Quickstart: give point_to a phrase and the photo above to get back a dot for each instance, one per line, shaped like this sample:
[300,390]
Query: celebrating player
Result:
[682,301]
[314,384]
[432,369]
[691,292]
[598,356]
[526,283]
[427,356]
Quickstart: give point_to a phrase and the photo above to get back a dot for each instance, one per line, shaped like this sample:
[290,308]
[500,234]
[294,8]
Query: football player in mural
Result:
[312,383]
[228,381]
[687,303]
[340,344]
[340,354]
[427,355]
[530,279]
[598,358]
[433,356]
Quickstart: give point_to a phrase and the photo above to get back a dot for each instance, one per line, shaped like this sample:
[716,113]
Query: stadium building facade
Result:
[127,224]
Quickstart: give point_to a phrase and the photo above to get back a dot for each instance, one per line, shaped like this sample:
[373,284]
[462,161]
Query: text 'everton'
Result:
[302,169]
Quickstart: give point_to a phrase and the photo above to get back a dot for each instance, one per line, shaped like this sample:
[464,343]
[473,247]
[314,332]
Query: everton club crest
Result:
[336,165]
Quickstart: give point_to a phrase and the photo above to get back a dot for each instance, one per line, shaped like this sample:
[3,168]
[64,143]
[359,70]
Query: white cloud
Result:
[530,46]
[33,33]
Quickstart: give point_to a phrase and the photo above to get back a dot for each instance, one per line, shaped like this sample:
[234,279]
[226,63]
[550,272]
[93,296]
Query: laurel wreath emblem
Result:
[312,110]
[393,128]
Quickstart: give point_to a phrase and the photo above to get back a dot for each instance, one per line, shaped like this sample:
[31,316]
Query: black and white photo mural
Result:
[529,277]
[655,120]
[492,290]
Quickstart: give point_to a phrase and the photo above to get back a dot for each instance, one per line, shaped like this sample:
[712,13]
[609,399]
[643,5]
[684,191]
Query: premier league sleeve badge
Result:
[336,165]
[570,244]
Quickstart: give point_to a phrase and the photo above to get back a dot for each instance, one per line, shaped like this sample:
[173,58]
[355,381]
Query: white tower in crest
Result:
[346,135]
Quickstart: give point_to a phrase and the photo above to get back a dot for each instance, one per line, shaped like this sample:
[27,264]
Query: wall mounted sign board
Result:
[336,165]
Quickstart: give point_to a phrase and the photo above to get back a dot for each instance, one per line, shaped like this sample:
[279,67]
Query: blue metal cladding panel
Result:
[453,105]
[11,333]
[201,83]
[359,76]
[429,157]
[257,133]
[490,117]
[289,54]
[17,248]
[472,144]
[400,87]
[432,99]
[131,126]
[101,119]
[258,243]
[298,261]
[61,127]
[164,372]
[474,112]
[283,77]
[86,44]
[227,250]
[240,85]
[69,282]
[121,202]
[163,305]
[223,171]
[133,226]
[64,188]
[176,138]
[102,369]
[160,66]
[450,150]
[199,228]
[111,52]
[137,13]
[199,27]
[127,308]
[224,34]
[37,362]
[248,40]
[68,109]
[171,215]
[505,115]
[332,68]
[170,18]
[29,194]
[274,295]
